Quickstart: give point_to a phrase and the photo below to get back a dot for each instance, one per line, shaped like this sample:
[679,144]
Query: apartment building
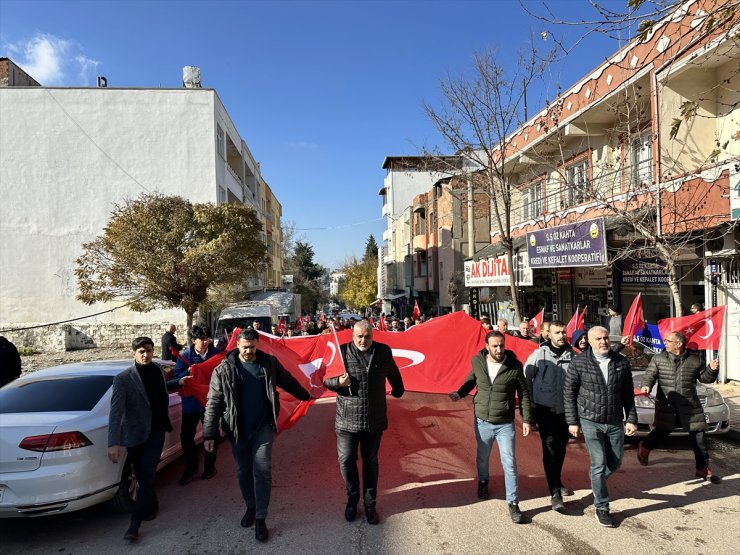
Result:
[69,155]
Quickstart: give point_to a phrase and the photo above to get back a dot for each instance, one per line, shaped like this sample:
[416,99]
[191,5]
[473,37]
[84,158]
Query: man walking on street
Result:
[545,371]
[362,414]
[192,411]
[169,341]
[499,376]
[243,397]
[599,396]
[138,420]
[676,371]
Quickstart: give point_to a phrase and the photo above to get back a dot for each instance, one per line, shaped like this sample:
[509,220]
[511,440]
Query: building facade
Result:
[68,156]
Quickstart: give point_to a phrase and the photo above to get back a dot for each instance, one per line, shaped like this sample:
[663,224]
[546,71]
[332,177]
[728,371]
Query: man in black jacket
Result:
[362,414]
[599,397]
[676,371]
[242,396]
[169,341]
[499,377]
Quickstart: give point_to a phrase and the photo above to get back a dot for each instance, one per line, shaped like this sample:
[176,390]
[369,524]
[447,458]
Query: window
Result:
[54,394]
[532,201]
[422,264]
[221,195]
[421,224]
[576,184]
[642,160]
[220,142]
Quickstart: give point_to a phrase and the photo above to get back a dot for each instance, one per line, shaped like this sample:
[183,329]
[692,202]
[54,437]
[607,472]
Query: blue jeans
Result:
[253,456]
[605,444]
[504,434]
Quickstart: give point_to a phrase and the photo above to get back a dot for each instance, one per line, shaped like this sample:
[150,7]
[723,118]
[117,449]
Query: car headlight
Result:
[714,398]
[644,402]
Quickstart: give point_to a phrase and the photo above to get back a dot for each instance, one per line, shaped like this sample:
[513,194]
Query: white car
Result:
[54,442]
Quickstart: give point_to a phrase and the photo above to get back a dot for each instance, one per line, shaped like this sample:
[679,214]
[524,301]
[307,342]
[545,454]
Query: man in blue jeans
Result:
[599,397]
[499,377]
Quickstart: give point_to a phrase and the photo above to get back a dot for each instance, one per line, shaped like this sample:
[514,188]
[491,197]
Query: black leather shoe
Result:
[187,477]
[350,511]
[372,515]
[260,530]
[132,534]
[248,518]
[482,490]
[208,474]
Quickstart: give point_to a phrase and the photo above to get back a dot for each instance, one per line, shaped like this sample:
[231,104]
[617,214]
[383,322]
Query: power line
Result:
[337,226]
[65,321]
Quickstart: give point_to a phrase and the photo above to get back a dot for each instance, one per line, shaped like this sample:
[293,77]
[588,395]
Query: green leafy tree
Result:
[164,252]
[309,278]
[371,249]
[359,287]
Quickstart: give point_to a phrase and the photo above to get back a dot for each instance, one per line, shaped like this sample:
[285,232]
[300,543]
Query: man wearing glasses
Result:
[676,371]
[599,397]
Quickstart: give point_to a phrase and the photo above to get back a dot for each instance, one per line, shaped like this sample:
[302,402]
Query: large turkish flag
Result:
[703,330]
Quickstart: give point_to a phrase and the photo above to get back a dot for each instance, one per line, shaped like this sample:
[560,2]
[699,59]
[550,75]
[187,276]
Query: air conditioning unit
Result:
[722,244]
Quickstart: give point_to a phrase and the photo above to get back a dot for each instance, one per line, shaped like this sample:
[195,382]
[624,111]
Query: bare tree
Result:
[479,114]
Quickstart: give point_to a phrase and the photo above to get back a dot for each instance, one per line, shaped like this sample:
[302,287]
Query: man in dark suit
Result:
[169,340]
[138,421]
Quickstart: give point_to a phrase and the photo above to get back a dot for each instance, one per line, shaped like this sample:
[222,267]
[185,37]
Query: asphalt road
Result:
[427,501]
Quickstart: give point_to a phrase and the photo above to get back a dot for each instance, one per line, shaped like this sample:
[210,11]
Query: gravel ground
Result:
[31,363]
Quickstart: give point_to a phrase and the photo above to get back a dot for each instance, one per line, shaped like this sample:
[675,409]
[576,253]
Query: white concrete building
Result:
[68,155]
[334,280]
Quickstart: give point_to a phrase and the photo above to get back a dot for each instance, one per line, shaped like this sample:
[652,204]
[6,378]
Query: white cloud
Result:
[52,60]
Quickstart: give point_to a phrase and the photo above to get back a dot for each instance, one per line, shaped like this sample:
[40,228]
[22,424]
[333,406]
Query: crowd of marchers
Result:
[566,388]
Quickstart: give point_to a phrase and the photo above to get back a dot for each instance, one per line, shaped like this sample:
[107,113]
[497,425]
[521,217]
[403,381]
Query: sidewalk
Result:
[731,392]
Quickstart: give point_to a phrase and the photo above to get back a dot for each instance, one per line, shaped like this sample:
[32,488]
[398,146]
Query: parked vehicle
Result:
[54,442]
[716,411]
[241,315]
[288,304]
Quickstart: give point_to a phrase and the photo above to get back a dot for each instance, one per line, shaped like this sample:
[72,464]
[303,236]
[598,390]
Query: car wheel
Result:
[128,488]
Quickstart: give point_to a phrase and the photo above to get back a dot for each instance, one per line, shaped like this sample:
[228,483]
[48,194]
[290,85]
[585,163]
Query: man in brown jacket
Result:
[676,371]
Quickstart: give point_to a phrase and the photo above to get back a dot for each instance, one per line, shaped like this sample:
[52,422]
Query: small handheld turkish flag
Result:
[634,322]
[535,324]
[416,314]
[703,330]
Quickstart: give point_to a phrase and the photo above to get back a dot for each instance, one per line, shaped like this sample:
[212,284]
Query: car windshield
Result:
[54,394]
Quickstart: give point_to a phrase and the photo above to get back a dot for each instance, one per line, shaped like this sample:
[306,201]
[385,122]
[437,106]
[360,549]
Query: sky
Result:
[321,91]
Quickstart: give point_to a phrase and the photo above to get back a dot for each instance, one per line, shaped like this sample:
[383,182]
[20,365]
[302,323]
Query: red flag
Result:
[416,314]
[581,324]
[322,317]
[572,324]
[332,359]
[535,324]
[175,353]
[634,322]
[703,330]
[298,324]
[281,326]
[372,322]
[382,326]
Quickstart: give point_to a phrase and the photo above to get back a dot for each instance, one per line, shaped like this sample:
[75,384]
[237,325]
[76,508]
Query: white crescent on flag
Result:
[333,352]
[710,326]
[414,356]
[533,323]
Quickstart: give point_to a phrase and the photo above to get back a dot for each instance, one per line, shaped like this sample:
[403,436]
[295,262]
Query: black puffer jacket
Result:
[362,406]
[676,377]
[588,396]
[494,401]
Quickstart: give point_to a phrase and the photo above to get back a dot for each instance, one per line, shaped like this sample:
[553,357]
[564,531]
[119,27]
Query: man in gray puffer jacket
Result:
[676,371]
[545,371]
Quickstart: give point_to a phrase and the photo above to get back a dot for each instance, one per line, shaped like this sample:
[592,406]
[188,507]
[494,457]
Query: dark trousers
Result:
[554,437]
[369,444]
[698,443]
[145,458]
[188,428]
[253,456]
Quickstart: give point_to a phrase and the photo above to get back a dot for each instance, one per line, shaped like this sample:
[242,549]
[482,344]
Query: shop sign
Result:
[579,244]
[650,336]
[494,272]
[590,277]
[644,271]
[735,194]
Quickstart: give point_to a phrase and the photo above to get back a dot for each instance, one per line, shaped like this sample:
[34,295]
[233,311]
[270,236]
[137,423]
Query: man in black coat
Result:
[10,362]
[362,414]
[170,341]
[599,397]
[676,371]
